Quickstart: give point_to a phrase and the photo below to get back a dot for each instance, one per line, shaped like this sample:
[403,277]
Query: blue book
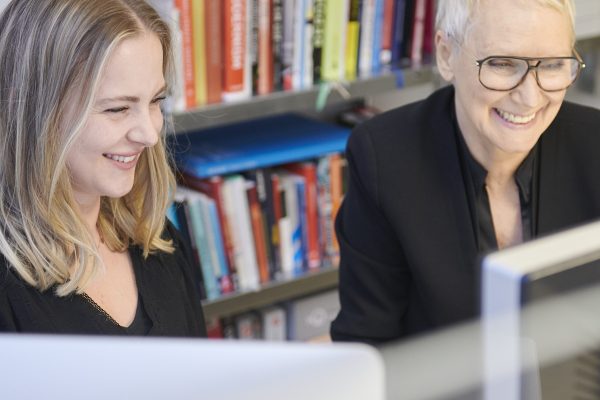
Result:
[256,143]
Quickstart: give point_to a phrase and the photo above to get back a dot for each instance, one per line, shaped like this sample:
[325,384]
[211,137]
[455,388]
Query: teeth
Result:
[122,159]
[515,119]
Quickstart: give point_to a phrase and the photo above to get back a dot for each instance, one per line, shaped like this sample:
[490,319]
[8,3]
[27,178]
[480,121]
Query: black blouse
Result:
[168,304]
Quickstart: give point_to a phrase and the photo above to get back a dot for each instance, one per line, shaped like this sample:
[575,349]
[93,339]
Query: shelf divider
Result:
[290,101]
[271,293]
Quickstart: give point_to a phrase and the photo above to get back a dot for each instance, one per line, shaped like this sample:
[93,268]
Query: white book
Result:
[274,324]
[238,216]
[365,53]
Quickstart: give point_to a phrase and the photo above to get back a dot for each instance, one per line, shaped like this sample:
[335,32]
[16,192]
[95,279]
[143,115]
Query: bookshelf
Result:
[287,101]
[309,101]
[272,293]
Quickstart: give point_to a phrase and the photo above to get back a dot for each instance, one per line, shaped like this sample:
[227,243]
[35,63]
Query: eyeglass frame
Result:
[576,57]
[479,64]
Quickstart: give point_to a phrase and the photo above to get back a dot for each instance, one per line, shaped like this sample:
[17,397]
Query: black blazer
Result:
[409,259]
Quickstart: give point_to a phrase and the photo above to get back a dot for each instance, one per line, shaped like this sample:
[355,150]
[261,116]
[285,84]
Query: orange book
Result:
[235,48]
[256,219]
[185,24]
[265,46]
[214,54]
[336,195]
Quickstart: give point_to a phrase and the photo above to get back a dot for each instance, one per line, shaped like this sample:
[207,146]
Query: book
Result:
[398,32]
[213,188]
[198,21]
[318,38]
[277,43]
[352,40]
[274,326]
[308,171]
[334,45]
[214,62]
[385,56]
[248,326]
[418,32]
[258,232]
[236,60]
[215,243]
[265,47]
[196,220]
[185,21]
[254,144]
[240,226]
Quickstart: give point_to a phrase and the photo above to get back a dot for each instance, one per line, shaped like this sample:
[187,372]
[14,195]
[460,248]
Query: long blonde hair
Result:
[52,54]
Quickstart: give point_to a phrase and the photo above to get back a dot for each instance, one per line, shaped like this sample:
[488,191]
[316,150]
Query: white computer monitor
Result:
[93,367]
[541,318]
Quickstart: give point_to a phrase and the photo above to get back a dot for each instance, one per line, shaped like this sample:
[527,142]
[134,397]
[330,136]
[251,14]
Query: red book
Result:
[214,56]
[212,187]
[235,48]
[309,171]
[185,24]
[256,219]
[214,328]
[387,31]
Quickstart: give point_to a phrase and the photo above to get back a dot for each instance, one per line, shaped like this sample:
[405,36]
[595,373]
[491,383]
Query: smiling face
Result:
[503,125]
[125,119]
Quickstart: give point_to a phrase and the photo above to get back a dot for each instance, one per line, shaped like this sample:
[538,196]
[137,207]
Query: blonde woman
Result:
[84,177]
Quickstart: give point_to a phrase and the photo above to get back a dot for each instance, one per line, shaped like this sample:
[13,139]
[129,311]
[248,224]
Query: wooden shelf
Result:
[272,293]
[280,102]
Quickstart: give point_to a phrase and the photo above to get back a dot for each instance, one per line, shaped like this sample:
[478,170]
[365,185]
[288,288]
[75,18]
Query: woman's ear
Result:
[444,55]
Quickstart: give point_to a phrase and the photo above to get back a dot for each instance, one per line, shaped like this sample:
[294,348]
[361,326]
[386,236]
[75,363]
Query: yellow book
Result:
[199,40]
[352,38]
[334,46]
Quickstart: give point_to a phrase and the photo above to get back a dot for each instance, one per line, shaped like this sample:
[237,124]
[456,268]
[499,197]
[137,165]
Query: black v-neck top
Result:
[474,175]
[168,305]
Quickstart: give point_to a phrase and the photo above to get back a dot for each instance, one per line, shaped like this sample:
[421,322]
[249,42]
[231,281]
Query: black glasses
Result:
[553,74]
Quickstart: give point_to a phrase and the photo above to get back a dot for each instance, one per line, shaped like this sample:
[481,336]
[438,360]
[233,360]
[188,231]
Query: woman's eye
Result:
[116,109]
[158,99]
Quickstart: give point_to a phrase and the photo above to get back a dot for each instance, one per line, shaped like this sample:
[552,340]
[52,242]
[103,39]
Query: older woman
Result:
[84,178]
[494,159]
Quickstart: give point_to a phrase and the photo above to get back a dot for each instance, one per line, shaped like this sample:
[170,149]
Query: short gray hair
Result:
[454,16]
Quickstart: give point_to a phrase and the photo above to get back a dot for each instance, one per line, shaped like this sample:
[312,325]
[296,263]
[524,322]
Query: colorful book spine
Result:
[214,54]
[367,28]
[238,217]
[199,45]
[265,47]
[196,220]
[256,220]
[377,37]
[253,45]
[398,38]
[334,48]
[308,171]
[213,187]
[287,44]
[235,43]
[185,13]
[352,40]
[387,32]
[215,243]
[318,38]
[418,32]
[277,43]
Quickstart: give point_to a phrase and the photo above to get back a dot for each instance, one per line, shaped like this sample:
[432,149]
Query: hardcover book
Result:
[255,144]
